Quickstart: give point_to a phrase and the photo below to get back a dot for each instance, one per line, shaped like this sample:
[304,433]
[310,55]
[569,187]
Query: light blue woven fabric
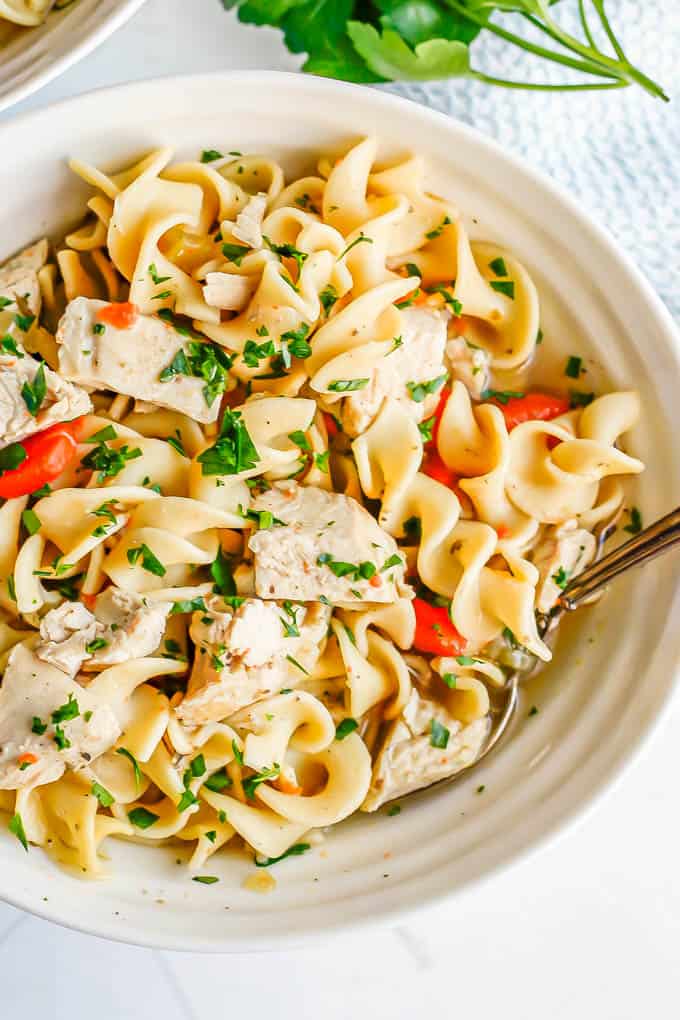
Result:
[617,152]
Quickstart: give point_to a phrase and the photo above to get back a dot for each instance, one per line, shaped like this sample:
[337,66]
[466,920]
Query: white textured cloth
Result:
[617,152]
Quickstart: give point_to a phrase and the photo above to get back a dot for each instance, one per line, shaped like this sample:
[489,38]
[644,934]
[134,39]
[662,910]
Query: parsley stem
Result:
[545,87]
[599,7]
[588,66]
[621,67]
[586,27]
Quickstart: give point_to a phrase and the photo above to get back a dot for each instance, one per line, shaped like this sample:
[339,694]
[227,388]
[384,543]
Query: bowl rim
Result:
[611,772]
[89,41]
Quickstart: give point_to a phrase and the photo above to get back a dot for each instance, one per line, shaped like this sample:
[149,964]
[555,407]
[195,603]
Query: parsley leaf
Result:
[439,734]
[292,851]
[149,560]
[635,526]
[34,393]
[234,450]
[11,457]
[142,817]
[347,385]
[418,391]
[16,827]
[344,728]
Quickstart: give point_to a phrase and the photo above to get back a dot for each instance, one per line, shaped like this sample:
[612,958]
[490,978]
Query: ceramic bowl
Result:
[615,664]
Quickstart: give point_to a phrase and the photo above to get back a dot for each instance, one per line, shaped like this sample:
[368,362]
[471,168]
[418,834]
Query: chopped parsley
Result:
[287,251]
[67,711]
[205,879]
[142,817]
[501,396]
[218,781]
[573,367]
[328,297]
[395,809]
[222,575]
[24,322]
[60,739]
[234,450]
[344,728]
[292,851]
[31,521]
[561,578]
[533,711]
[209,156]
[355,571]
[506,287]
[252,782]
[347,385]
[9,344]
[290,626]
[34,393]
[94,646]
[203,361]
[466,660]
[105,798]
[418,391]
[413,528]
[441,288]
[176,443]
[321,461]
[105,460]
[254,353]
[16,827]
[431,235]
[38,727]
[149,560]
[235,252]
[498,267]
[135,765]
[300,439]
[354,243]
[393,561]
[188,606]
[11,457]
[426,429]
[297,665]
[450,679]
[635,526]
[439,735]
[578,399]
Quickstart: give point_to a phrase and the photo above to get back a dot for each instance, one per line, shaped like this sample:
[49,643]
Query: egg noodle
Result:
[276,518]
[30,13]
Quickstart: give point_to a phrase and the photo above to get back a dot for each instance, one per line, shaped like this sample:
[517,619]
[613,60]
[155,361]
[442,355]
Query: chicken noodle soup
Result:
[276,517]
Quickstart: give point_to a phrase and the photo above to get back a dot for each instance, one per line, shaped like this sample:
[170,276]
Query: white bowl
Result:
[31,57]
[615,665]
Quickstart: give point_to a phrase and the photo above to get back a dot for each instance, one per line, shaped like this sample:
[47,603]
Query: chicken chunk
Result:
[227,291]
[48,723]
[419,358]
[130,626]
[563,553]
[469,364]
[62,401]
[129,360]
[323,544]
[407,761]
[123,627]
[248,226]
[19,279]
[244,653]
[65,633]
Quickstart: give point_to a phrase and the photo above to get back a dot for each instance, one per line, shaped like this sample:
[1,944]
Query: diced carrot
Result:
[285,785]
[331,425]
[28,758]
[531,407]
[376,581]
[120,315]
[435,633]
[434,467]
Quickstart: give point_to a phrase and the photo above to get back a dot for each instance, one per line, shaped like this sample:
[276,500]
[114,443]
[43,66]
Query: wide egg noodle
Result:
[309,286]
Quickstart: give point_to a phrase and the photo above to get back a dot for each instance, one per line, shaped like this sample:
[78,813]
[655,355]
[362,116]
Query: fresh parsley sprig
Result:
[421,40]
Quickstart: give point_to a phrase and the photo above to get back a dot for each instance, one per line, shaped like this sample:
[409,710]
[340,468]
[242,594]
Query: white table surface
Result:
[587,928]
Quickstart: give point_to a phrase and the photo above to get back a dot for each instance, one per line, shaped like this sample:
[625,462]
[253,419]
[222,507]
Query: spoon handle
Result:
[658,538]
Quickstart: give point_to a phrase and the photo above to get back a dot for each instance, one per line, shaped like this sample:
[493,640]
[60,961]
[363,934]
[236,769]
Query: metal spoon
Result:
[658,538]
